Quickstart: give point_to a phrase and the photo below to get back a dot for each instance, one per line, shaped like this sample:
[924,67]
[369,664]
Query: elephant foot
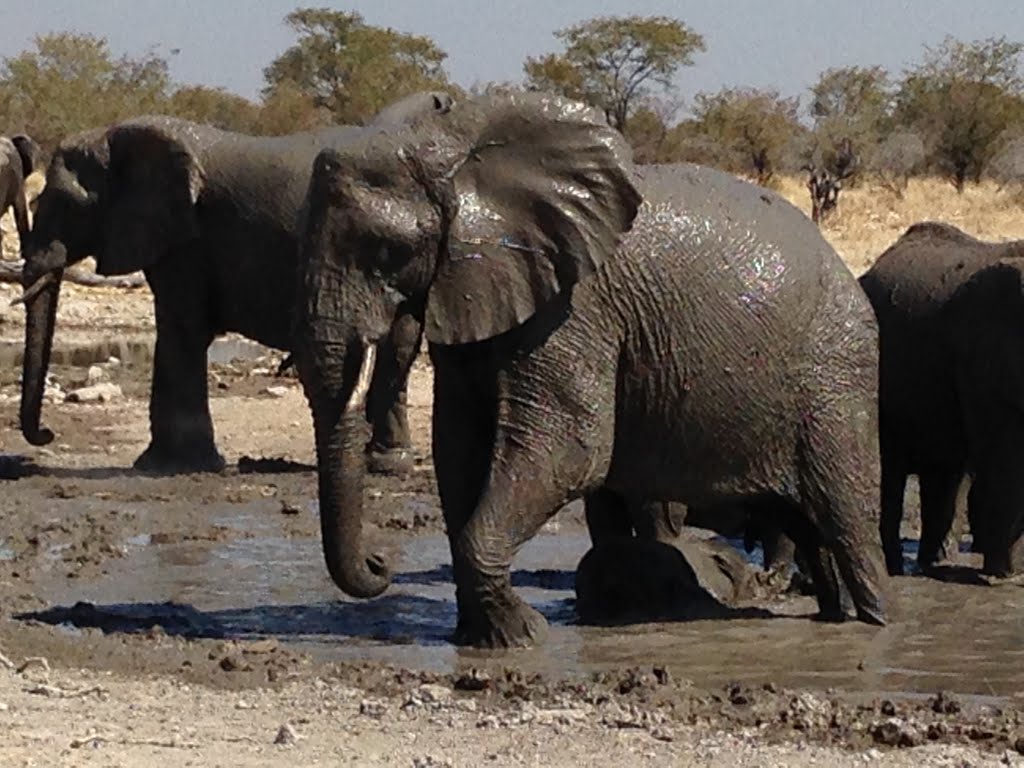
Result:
[161,461]
[505,623]
[830,616]
[397,462]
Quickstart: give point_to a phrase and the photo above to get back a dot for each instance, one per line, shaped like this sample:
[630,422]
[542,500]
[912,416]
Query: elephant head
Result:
[31,154]
[124,195]
[65,230]
[477,218]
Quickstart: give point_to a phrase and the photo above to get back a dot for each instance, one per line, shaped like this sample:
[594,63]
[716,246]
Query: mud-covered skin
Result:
[211,217]
[950,310]
[19,157]
[720,351]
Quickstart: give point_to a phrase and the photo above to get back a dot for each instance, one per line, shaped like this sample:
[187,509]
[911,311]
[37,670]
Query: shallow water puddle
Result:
[946,636]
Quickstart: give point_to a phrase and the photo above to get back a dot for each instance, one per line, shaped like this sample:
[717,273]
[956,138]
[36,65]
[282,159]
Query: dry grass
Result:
[870,218]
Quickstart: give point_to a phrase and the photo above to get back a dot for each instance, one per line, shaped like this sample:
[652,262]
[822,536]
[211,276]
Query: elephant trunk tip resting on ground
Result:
[664,333]
[212,219]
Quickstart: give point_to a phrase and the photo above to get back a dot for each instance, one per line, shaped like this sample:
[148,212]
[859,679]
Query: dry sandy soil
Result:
[121,695]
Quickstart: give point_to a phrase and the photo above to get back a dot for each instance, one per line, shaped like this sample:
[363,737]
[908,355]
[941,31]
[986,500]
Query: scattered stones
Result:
[104,392]
[474,680]
[432,762]
[375,708]
[895,732]
[945,704]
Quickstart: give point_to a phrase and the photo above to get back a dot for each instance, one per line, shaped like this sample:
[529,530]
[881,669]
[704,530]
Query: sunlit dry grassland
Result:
[870,218]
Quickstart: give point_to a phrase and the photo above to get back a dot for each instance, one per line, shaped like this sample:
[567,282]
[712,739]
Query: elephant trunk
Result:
[341,436]
[41,315]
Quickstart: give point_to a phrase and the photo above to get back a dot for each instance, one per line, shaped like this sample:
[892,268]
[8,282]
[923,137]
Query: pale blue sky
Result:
[761,43]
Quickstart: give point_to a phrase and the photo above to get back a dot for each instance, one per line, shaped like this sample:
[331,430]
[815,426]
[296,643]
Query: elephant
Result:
[628,579]
[19,157]
[211,218]
[665,332]
[950,314]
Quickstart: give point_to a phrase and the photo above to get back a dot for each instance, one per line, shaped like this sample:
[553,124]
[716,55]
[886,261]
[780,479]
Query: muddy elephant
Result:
[951,317]
[629,579]
[19,157]
[668,333]
[211,218]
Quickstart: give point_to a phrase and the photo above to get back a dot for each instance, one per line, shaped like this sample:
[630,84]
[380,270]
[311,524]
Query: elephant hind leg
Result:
[894,484]
[839,494]
[996,501]
[938,510]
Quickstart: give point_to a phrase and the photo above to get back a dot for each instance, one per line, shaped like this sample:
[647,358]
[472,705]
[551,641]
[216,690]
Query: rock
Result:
[113,362]
[277,391]
[286,735]
[434,694]
[97,393]
[375,708]
[95,375]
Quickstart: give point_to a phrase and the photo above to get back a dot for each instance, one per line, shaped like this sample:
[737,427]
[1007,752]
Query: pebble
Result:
[95,375]
[277,391]
[286,735]
[97,393]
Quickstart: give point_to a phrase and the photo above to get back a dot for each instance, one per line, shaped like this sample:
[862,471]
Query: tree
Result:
[614,62]
[351,68]
[288,109]
[901,154]
[756,126]
[850,107]
[961,99]
[71,82]
[216,107]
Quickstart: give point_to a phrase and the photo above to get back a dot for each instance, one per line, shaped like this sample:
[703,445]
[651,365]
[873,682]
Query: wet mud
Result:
[219,580]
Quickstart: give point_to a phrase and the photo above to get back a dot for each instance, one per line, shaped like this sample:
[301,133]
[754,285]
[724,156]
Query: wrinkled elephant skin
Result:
[951,317]
[664,332]
[212,219]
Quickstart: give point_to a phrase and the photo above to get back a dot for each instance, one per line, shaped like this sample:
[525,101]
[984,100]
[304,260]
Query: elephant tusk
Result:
[35,289]
[358,398]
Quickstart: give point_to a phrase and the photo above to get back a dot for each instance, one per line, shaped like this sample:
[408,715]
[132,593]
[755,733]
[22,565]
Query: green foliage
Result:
[961,99]
[613,62]
[353,69]
[216,107]
[850,107]
[753,128]
[71,82]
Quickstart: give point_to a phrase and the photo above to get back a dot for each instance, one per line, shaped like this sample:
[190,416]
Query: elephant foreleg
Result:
[22,217]
[390,447]
[607,516]
[181,429]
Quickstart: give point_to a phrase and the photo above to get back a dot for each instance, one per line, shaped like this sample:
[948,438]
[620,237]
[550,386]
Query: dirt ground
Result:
[134,696]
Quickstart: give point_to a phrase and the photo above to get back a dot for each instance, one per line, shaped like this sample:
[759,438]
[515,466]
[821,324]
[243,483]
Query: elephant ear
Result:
[29,152]
[544,196]
[153,183]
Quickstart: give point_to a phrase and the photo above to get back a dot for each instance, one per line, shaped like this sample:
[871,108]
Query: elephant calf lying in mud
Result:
[212,218]
[667,332]
[951,316]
